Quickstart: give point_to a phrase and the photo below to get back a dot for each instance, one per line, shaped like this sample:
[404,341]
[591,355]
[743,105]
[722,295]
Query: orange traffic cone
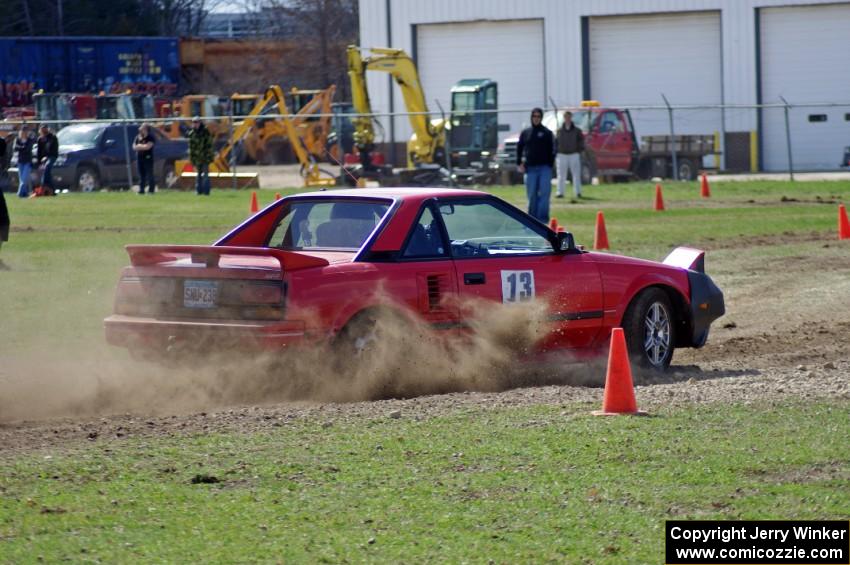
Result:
[659,199]
[619,395]
[277,196]
[254,206]
[553,224]
[600,239]
[704,191]
[843,223]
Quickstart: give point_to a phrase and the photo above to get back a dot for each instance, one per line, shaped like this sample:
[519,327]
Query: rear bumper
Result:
[154,334]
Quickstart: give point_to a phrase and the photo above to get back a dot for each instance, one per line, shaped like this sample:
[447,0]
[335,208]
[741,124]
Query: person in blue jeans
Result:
[535,157]
[23,149]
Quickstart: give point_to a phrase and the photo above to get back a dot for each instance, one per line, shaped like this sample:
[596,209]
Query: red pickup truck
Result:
[612,147]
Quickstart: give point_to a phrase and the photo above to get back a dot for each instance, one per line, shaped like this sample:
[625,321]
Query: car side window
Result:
[481,229]
[113,137]
[426,238]
[332,224]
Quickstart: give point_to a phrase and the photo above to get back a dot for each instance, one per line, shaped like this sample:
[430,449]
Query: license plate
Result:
[199,294]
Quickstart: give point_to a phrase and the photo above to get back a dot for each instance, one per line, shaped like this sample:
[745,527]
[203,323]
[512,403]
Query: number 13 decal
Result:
[517,286]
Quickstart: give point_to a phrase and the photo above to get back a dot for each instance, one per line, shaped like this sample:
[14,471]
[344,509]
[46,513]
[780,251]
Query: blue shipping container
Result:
[87,64]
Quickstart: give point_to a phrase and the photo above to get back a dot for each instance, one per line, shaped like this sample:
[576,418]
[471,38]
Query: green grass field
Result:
[511,485]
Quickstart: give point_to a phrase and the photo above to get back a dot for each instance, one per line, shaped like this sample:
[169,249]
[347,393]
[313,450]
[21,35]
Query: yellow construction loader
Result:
[268,141]
[272,99]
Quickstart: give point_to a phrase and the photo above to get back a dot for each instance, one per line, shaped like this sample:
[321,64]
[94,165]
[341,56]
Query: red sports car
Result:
[317,266]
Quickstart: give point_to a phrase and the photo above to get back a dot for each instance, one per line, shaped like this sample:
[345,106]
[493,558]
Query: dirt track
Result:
[786,335]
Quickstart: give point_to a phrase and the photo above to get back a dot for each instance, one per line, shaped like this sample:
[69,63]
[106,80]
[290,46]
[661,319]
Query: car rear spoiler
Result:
[148,255]
[687,258]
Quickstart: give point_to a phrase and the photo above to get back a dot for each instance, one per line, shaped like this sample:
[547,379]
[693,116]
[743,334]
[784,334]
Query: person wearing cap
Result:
[201,155]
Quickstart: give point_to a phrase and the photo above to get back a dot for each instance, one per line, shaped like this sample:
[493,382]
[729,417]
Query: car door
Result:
[503,256]
[115,155]
[425,258]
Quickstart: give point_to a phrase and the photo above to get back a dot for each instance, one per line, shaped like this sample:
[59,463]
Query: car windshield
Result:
[82,134]
[480,229]
[327,224]
[581,118]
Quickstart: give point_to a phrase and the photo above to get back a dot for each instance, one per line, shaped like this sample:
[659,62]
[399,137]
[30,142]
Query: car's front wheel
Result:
[648,325]
[169,175]
[87,179]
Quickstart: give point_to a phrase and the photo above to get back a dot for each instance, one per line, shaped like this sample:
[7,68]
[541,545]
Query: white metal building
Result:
[630,52]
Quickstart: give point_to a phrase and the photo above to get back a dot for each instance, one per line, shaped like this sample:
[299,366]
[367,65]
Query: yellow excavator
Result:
[313,176]
[472,131]
[428,141]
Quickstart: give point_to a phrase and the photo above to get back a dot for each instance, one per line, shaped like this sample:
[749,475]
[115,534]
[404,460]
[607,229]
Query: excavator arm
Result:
[428,136]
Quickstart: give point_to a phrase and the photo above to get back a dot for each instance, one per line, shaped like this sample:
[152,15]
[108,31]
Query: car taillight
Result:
[261,293]
[141,297]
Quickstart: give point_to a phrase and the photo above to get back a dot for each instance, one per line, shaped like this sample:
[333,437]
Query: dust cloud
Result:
[400,357]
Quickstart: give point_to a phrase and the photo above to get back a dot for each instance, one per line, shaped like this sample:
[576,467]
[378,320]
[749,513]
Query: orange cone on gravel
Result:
[553,224]
[619,395]
[277,196]
[704,190]
[843,223]
[255,207]
[600,239]
[659,199]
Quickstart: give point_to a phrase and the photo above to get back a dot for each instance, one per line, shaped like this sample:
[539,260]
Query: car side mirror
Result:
[564,242]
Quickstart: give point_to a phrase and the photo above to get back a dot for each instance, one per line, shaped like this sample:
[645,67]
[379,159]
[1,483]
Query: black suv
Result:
[92,156]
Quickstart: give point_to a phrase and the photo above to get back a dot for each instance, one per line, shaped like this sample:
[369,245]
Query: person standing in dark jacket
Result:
[201,154]
[143,146]
[46,155]
[535,156]
[570,146]
[23,149]
[4,211]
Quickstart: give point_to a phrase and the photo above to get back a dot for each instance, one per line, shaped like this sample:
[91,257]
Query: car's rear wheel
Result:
[649,326]
[87,179]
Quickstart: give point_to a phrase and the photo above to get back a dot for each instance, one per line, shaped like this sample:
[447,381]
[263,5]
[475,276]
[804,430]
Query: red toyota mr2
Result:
[312,267]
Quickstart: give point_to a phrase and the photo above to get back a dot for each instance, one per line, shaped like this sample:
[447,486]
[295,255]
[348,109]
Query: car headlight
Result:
[60,160]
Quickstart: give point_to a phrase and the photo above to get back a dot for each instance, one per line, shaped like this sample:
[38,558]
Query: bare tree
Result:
[322,29]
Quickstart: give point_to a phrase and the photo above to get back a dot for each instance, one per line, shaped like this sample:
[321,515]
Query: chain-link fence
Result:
[674,140]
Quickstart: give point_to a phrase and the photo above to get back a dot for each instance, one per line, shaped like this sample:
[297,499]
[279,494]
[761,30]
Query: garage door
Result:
[634,59]
[804,53]
[509,52]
